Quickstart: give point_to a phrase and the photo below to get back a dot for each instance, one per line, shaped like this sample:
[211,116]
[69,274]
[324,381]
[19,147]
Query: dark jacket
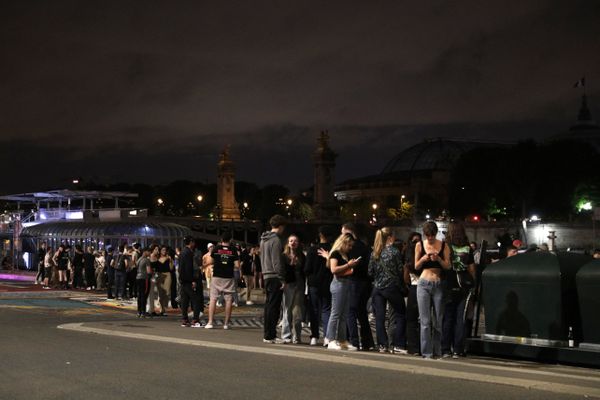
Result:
[360,249]
[186,266]
[315,268]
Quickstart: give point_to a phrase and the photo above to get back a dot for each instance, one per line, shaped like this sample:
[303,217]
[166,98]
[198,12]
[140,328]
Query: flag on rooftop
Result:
[579,83]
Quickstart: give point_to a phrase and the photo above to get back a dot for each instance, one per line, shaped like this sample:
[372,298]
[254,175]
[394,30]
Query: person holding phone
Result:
[385,267]
[431,257]
[360,292]
[341,267]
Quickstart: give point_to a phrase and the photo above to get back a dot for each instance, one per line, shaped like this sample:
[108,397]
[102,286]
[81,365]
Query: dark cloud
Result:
[179,80]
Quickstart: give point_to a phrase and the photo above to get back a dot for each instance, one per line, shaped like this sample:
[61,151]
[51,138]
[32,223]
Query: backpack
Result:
[120,264]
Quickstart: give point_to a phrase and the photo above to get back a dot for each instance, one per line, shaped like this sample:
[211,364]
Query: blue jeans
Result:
[430,296]
[453,331]
[394,296]
[340,306]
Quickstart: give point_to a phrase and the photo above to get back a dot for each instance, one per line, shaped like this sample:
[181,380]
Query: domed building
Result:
[420,173]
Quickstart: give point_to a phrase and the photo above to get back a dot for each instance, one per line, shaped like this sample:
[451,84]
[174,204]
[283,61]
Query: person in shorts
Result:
[225,260]
[48,263]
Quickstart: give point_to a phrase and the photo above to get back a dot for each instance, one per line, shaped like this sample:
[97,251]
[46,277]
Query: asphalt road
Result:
[157,359]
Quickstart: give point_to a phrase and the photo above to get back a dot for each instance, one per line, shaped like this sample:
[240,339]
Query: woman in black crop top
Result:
[431,256]
[163,283]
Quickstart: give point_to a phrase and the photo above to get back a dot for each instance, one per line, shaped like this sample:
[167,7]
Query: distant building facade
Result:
[420,173]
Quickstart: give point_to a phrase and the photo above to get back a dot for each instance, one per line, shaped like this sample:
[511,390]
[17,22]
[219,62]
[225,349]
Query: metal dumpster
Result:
[588,290]
[531,298]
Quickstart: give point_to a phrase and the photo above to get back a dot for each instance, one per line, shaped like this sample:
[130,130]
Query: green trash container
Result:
[531,298]
[588,290]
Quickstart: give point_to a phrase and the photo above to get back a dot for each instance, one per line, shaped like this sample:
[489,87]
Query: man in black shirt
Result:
[360,291]
[226,259]
[319,278]
[191,284]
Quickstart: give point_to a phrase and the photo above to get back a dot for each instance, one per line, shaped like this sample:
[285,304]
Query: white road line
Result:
[362,362]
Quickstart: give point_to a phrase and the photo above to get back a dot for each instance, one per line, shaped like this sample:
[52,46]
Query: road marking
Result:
[331,358]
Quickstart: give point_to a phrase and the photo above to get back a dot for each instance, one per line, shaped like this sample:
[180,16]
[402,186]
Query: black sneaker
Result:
[185,323]
[382,349]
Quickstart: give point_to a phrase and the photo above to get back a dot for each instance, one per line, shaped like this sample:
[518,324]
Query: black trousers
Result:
[320,310]
[272,307]
[111,282]
[174,293]
[413,335]
[394,296]
[360,291]
[78,276]
[41,275]
[143,289]
[189,295]
[131,283]
[90,277]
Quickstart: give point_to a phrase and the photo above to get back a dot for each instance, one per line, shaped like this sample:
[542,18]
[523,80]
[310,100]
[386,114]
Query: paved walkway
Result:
[247,339]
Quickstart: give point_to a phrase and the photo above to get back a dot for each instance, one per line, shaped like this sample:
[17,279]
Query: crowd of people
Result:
[418,291]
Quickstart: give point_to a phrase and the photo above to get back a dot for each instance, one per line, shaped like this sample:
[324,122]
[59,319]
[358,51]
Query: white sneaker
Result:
[249,303]
[286,341]
[334,345]
[348,346]
[270,341]
[208,326]
[314,341]
[196,325]
[325,342]
[219,304]
[226,327]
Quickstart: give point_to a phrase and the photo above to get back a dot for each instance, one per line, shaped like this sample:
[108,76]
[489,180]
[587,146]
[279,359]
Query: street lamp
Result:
[160,201]
[199,198]
[245,205]
[289,202]
[374,206]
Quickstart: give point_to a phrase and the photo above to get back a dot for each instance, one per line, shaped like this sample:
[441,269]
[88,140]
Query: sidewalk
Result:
[557,379]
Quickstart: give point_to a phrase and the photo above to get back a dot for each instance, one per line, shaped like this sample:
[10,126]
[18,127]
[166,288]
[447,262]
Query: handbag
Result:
[465,280]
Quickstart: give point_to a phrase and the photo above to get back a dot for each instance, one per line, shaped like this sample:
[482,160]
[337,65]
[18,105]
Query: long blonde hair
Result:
[287,249]
[381,237]
[343,239]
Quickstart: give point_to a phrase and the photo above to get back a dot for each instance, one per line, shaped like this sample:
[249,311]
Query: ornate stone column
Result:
[226,208]
[325,206]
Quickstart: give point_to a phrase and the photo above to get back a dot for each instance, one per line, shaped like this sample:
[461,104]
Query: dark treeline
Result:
[552,180]
[181,198]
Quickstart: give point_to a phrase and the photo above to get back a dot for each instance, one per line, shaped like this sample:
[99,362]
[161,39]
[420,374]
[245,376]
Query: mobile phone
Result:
[358,259]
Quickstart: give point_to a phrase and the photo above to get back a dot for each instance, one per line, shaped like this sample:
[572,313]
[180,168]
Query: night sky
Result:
[149,91]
